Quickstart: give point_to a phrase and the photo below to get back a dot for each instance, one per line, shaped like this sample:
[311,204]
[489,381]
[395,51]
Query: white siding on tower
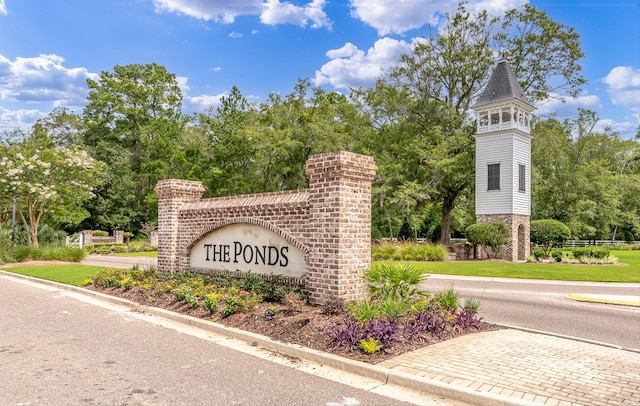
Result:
[494,149]
[510,150]
[521,156]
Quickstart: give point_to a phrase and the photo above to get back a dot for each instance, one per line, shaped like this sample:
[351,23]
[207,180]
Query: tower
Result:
[503,158]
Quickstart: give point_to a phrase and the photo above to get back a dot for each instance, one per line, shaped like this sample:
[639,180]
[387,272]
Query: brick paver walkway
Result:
[530,367]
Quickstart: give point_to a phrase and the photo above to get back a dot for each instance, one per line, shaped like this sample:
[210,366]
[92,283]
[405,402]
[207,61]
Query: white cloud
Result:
[200,104]
[224,11]
[235,35]
[624,128]
[352,67]
[624,87]
[271,12]
[569,110]
[400,16]
[3,7]
[196,104]
[18,119]
[43,79]
[276,12]
[554,105]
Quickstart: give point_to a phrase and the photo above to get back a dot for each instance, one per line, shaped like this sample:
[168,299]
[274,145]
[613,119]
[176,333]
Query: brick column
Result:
[339,232]
[119,236]
[87,237]
[172,195]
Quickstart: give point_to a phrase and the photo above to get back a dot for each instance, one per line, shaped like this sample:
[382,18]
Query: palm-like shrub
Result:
[396,281]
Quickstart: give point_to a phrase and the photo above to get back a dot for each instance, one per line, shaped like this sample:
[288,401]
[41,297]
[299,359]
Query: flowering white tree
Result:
[45,178]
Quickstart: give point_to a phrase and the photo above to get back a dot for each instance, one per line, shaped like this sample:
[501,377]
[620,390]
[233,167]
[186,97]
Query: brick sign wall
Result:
[323,232]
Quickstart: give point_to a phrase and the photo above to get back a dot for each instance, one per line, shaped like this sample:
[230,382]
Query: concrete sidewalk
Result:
[503,367]
[527,368]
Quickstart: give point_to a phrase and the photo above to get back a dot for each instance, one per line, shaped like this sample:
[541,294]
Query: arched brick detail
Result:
[255,221]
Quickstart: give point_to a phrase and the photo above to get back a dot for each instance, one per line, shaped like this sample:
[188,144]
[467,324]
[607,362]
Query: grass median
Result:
[70,274]
[628,270]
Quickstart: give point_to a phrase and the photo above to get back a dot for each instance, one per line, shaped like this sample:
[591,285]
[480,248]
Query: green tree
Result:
[45,178]
[549,233]
[231,130]
[134,125]
[585,179]
[307,121]
[425,97]
[492,235]
[63,126]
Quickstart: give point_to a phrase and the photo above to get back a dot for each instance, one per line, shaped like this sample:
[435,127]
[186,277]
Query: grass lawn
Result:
[630,272]
[75,274]
[71,274]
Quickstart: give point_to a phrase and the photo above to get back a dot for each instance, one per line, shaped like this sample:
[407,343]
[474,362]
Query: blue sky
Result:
[48,48]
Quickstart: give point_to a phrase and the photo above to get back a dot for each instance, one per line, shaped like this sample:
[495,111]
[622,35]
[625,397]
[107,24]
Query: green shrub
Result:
[231,306]
[448,299]
[598,252]
[549,233]
[100,233]
[472,304]
[556,255]
[109,278]
[493,235]
[629,247]
[391,308]
[106,248]
[210,303]
[398,281]
[538,253]
[434,252]
[20,253]
[364,310]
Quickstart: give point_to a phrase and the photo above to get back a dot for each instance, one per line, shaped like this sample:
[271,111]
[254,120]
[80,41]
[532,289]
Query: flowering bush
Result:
[47,178]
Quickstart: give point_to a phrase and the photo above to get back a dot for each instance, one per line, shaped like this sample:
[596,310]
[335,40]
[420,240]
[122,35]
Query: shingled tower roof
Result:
[503,85]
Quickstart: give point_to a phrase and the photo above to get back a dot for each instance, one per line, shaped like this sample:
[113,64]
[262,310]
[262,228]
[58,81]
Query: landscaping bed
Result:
[281,313]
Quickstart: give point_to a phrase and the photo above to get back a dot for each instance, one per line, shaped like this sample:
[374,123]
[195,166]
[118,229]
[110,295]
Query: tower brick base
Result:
[518,248]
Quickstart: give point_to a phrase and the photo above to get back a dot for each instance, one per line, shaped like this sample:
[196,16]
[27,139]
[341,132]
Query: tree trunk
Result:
[445,232]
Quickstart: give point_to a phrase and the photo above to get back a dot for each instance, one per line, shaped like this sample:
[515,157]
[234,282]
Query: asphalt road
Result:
[542,305]
[120,262]
[62,348]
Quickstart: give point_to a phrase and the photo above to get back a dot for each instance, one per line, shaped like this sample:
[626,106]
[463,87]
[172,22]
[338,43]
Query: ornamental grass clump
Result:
[409,251]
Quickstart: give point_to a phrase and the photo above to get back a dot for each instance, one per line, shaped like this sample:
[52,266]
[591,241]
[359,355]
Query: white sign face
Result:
[248,248]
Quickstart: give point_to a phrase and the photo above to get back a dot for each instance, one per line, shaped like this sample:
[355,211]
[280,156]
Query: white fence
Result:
[587,243]
[75,240]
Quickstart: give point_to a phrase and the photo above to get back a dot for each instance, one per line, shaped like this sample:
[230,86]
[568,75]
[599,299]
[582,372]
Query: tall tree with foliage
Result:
[231,130]
[425,97]
[134,123]
[46,179]
[307,121]
[264,148]
[586,179]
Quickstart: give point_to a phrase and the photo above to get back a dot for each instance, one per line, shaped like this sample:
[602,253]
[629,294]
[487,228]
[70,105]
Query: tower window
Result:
[493,180]
[522,178]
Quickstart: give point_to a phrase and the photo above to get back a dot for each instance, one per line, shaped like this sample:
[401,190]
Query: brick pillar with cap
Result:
[339,233]
[172,195]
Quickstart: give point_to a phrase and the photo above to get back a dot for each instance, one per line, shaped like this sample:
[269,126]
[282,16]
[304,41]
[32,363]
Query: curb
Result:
[377,373]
